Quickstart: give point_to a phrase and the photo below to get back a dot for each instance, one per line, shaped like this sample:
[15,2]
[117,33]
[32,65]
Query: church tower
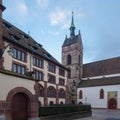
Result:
[72,54]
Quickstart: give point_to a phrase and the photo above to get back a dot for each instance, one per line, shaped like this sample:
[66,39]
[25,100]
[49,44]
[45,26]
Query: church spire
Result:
[72,27]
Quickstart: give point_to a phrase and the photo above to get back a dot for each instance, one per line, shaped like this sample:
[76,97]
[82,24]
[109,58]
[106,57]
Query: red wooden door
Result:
[112,104]
[19,107]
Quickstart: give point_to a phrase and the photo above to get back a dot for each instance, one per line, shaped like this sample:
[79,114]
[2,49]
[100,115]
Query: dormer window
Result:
[7,26]
[39,45]
[33,48]
[25,36]
[15,38]
[47,55]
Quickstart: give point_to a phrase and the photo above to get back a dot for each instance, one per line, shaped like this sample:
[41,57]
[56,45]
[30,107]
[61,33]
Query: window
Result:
[15,38]
[79,59]
[38,75]
[61,93]
[61,103]
[23,70]
[61,81]
[14,67]
[101,94]
[51,79]
[69,73]
[51,67]
[38,62]
[18,54]
[69,60]
[51,92]
[80,94]
[14,53]
[24,36]
[61,72]
[23,56]
[18,68]
[41,91]
[51,103]
[7,26]
[47,55]
[33,48]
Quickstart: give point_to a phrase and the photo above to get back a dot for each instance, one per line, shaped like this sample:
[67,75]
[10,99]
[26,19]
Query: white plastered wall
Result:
[91,95]
[8,82]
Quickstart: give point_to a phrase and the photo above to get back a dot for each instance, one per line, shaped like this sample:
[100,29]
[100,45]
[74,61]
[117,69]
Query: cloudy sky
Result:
[48,22]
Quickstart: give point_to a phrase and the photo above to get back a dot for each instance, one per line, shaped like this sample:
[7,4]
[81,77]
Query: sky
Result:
[48,22]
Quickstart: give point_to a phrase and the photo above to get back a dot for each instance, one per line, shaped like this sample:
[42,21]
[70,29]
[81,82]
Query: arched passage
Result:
[23,103]
[19,107]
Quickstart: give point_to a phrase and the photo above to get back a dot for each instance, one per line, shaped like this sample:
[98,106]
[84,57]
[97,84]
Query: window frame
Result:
[61,81]
[18,68]
[80,94]
[38,62]
[69,59]
[38,75]
[61,93]
[51,67]
[51,79]
[101,96]
[62,72]
[51,92]
[18,54]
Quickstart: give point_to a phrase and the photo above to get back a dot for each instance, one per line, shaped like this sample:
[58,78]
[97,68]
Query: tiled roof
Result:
[100,82]
[15,36]
[103,67]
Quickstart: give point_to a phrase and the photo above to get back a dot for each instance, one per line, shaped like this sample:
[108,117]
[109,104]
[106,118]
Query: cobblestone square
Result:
[103,115]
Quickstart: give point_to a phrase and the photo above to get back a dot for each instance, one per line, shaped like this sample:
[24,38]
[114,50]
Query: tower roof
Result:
[73,38]
[72,22]
[72,28]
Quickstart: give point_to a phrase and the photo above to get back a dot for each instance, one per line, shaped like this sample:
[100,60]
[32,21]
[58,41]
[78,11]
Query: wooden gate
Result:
[19,107]
[112,103]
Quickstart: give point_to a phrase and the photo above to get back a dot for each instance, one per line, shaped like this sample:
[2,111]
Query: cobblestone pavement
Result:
[103,115]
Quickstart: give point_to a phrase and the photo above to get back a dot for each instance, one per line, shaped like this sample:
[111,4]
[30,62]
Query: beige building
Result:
[29,76]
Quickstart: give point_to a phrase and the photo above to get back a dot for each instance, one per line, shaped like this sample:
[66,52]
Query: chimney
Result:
[2,8]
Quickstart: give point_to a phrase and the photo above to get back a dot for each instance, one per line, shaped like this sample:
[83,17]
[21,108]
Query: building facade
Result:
[72,58]
[29,76]
[100,85]
[95,83]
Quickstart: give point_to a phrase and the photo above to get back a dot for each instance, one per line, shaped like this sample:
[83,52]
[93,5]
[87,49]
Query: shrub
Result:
[62,109]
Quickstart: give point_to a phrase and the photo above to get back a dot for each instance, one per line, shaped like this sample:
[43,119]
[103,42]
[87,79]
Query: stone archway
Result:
[112,103]
[30,105]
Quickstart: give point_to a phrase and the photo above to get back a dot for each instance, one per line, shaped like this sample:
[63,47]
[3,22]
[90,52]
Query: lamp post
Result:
[73,92]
